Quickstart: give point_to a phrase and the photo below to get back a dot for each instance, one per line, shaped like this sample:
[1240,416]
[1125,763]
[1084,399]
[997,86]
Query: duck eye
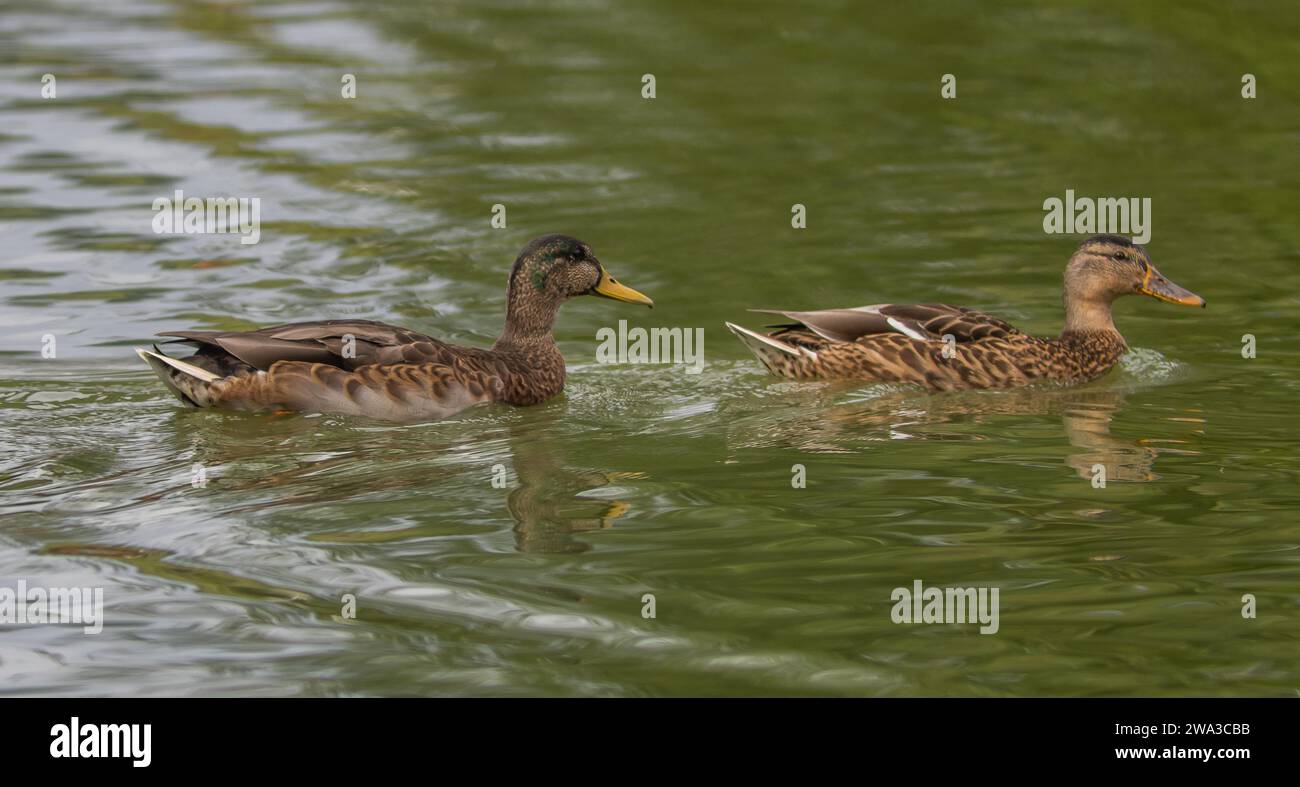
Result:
[1119,255]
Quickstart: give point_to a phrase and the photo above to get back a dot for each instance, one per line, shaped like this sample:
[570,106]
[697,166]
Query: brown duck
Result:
[950,347]
[361,367]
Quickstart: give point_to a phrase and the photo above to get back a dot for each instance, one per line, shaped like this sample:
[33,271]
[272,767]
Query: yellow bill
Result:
[1157,286]
[610,288]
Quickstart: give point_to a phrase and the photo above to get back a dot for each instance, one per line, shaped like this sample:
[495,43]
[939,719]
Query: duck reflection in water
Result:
[544,496]
[818,425]
[548,502]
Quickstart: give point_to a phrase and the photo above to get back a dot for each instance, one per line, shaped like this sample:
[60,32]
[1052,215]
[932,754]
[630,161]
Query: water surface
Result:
[646,479]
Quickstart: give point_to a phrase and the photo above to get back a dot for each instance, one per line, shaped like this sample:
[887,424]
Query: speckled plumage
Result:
[945,347]
[361,367]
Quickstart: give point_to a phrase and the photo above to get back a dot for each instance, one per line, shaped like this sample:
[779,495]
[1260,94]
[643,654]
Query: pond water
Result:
[648,479]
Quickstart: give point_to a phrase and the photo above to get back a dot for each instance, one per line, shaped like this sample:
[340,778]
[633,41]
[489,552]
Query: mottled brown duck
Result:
[945,347]
[361,367]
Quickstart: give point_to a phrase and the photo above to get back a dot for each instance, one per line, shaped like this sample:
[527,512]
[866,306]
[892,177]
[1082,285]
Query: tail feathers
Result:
[775,354]
[757,342]
[909,328]
[171,371]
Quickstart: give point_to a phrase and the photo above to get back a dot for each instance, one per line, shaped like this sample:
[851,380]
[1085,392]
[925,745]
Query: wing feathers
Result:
[921,321]
[261,352]
[347,344]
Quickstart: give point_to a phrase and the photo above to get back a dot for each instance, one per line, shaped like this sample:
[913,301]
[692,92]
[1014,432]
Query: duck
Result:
[943,348]
[372,369]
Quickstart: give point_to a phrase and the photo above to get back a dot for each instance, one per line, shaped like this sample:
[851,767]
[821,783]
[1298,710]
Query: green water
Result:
[645,479]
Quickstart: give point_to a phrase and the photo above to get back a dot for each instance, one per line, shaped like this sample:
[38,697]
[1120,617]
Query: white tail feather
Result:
[906,330]
[150,356]
[757,342]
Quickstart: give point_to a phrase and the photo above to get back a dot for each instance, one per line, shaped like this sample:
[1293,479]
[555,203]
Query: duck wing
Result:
[347,344]
[353,367]
[923,321]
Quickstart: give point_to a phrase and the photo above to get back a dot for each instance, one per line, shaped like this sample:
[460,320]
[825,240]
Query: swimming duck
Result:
[362,367]
[945,347]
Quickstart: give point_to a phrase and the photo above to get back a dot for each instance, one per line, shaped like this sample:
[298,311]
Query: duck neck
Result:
[529,326]
[1088,316]
[535,367]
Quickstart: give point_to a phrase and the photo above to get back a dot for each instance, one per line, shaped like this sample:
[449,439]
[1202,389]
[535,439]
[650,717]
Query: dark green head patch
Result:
[541,272]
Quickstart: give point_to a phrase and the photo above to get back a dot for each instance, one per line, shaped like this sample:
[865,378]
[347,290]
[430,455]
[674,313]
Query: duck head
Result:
[550,270]
[1106,267]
